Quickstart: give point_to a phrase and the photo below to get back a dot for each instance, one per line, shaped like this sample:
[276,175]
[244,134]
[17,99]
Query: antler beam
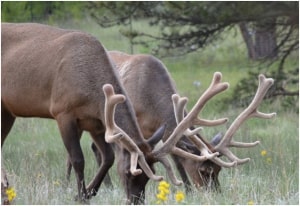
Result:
[250,111]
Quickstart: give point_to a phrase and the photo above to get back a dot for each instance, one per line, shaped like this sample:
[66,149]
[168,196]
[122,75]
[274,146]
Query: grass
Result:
[34,155]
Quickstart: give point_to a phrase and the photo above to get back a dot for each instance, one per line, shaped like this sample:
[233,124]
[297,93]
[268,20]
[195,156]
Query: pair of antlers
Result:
[114,134]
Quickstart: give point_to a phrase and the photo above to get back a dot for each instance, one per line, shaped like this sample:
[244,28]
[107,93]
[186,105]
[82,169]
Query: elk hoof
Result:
[91,193]
[82,200]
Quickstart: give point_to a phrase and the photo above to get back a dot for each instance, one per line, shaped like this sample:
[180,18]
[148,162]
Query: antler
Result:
[114,134]
[250,111]
[184,123]
[179,104]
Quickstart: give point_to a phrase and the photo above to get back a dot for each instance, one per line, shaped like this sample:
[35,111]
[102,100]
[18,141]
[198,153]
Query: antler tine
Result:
[166,163]
[184,123]
[179,104]
[215,87]
[250,111]
[114,134]
[111,100]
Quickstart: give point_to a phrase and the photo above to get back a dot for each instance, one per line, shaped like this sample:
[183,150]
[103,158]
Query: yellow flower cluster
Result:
[11,194]
[264,153]
[179,196]
[163,189]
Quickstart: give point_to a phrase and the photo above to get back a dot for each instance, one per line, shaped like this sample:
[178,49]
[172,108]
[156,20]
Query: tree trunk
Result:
[261,41]
[265,39]
[247,36]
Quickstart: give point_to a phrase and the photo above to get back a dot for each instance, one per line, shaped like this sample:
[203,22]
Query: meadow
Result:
[35,157]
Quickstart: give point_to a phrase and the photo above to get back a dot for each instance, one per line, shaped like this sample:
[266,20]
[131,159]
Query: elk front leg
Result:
[69,166]
[107,180]
[106,162]
[71,137]
[6,123]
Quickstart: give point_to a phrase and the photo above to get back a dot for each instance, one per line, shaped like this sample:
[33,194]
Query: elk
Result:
[144,75]
[50,73]
[67,76]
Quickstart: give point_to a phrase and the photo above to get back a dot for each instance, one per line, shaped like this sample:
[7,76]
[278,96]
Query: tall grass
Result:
[34,155]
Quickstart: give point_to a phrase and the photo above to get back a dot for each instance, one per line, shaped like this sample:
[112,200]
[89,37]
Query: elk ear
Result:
[216,139]
[157,136]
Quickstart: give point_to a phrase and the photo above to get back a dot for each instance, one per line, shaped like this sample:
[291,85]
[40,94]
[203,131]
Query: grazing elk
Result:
[149,87]
[67,76]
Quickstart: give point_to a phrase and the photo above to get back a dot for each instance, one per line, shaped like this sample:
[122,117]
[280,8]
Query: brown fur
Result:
[150,87]
[59,74]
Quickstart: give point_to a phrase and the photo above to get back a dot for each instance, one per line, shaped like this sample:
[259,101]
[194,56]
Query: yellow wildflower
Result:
[164,184]
[11,194]
[269,160]
[251,202]
[179,196]
[161,196]
[263,153]
[39,175]
[163,190]
[56,183]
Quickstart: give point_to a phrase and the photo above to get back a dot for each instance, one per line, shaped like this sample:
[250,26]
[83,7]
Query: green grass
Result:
[34,155]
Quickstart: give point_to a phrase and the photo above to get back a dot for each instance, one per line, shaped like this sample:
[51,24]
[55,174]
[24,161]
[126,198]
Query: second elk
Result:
[152,91]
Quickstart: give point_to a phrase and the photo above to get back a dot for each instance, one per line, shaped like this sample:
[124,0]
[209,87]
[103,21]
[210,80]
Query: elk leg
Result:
[7,121]
[107,180]
[69,167]
[71,137]
[107,160]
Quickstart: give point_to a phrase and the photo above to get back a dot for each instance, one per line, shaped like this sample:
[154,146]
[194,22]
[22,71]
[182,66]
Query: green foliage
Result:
[285,89]
[35,11]
[14,12]
[182,27]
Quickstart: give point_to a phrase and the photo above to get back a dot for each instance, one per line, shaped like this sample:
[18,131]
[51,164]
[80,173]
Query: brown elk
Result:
[149,87]
[67,76]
